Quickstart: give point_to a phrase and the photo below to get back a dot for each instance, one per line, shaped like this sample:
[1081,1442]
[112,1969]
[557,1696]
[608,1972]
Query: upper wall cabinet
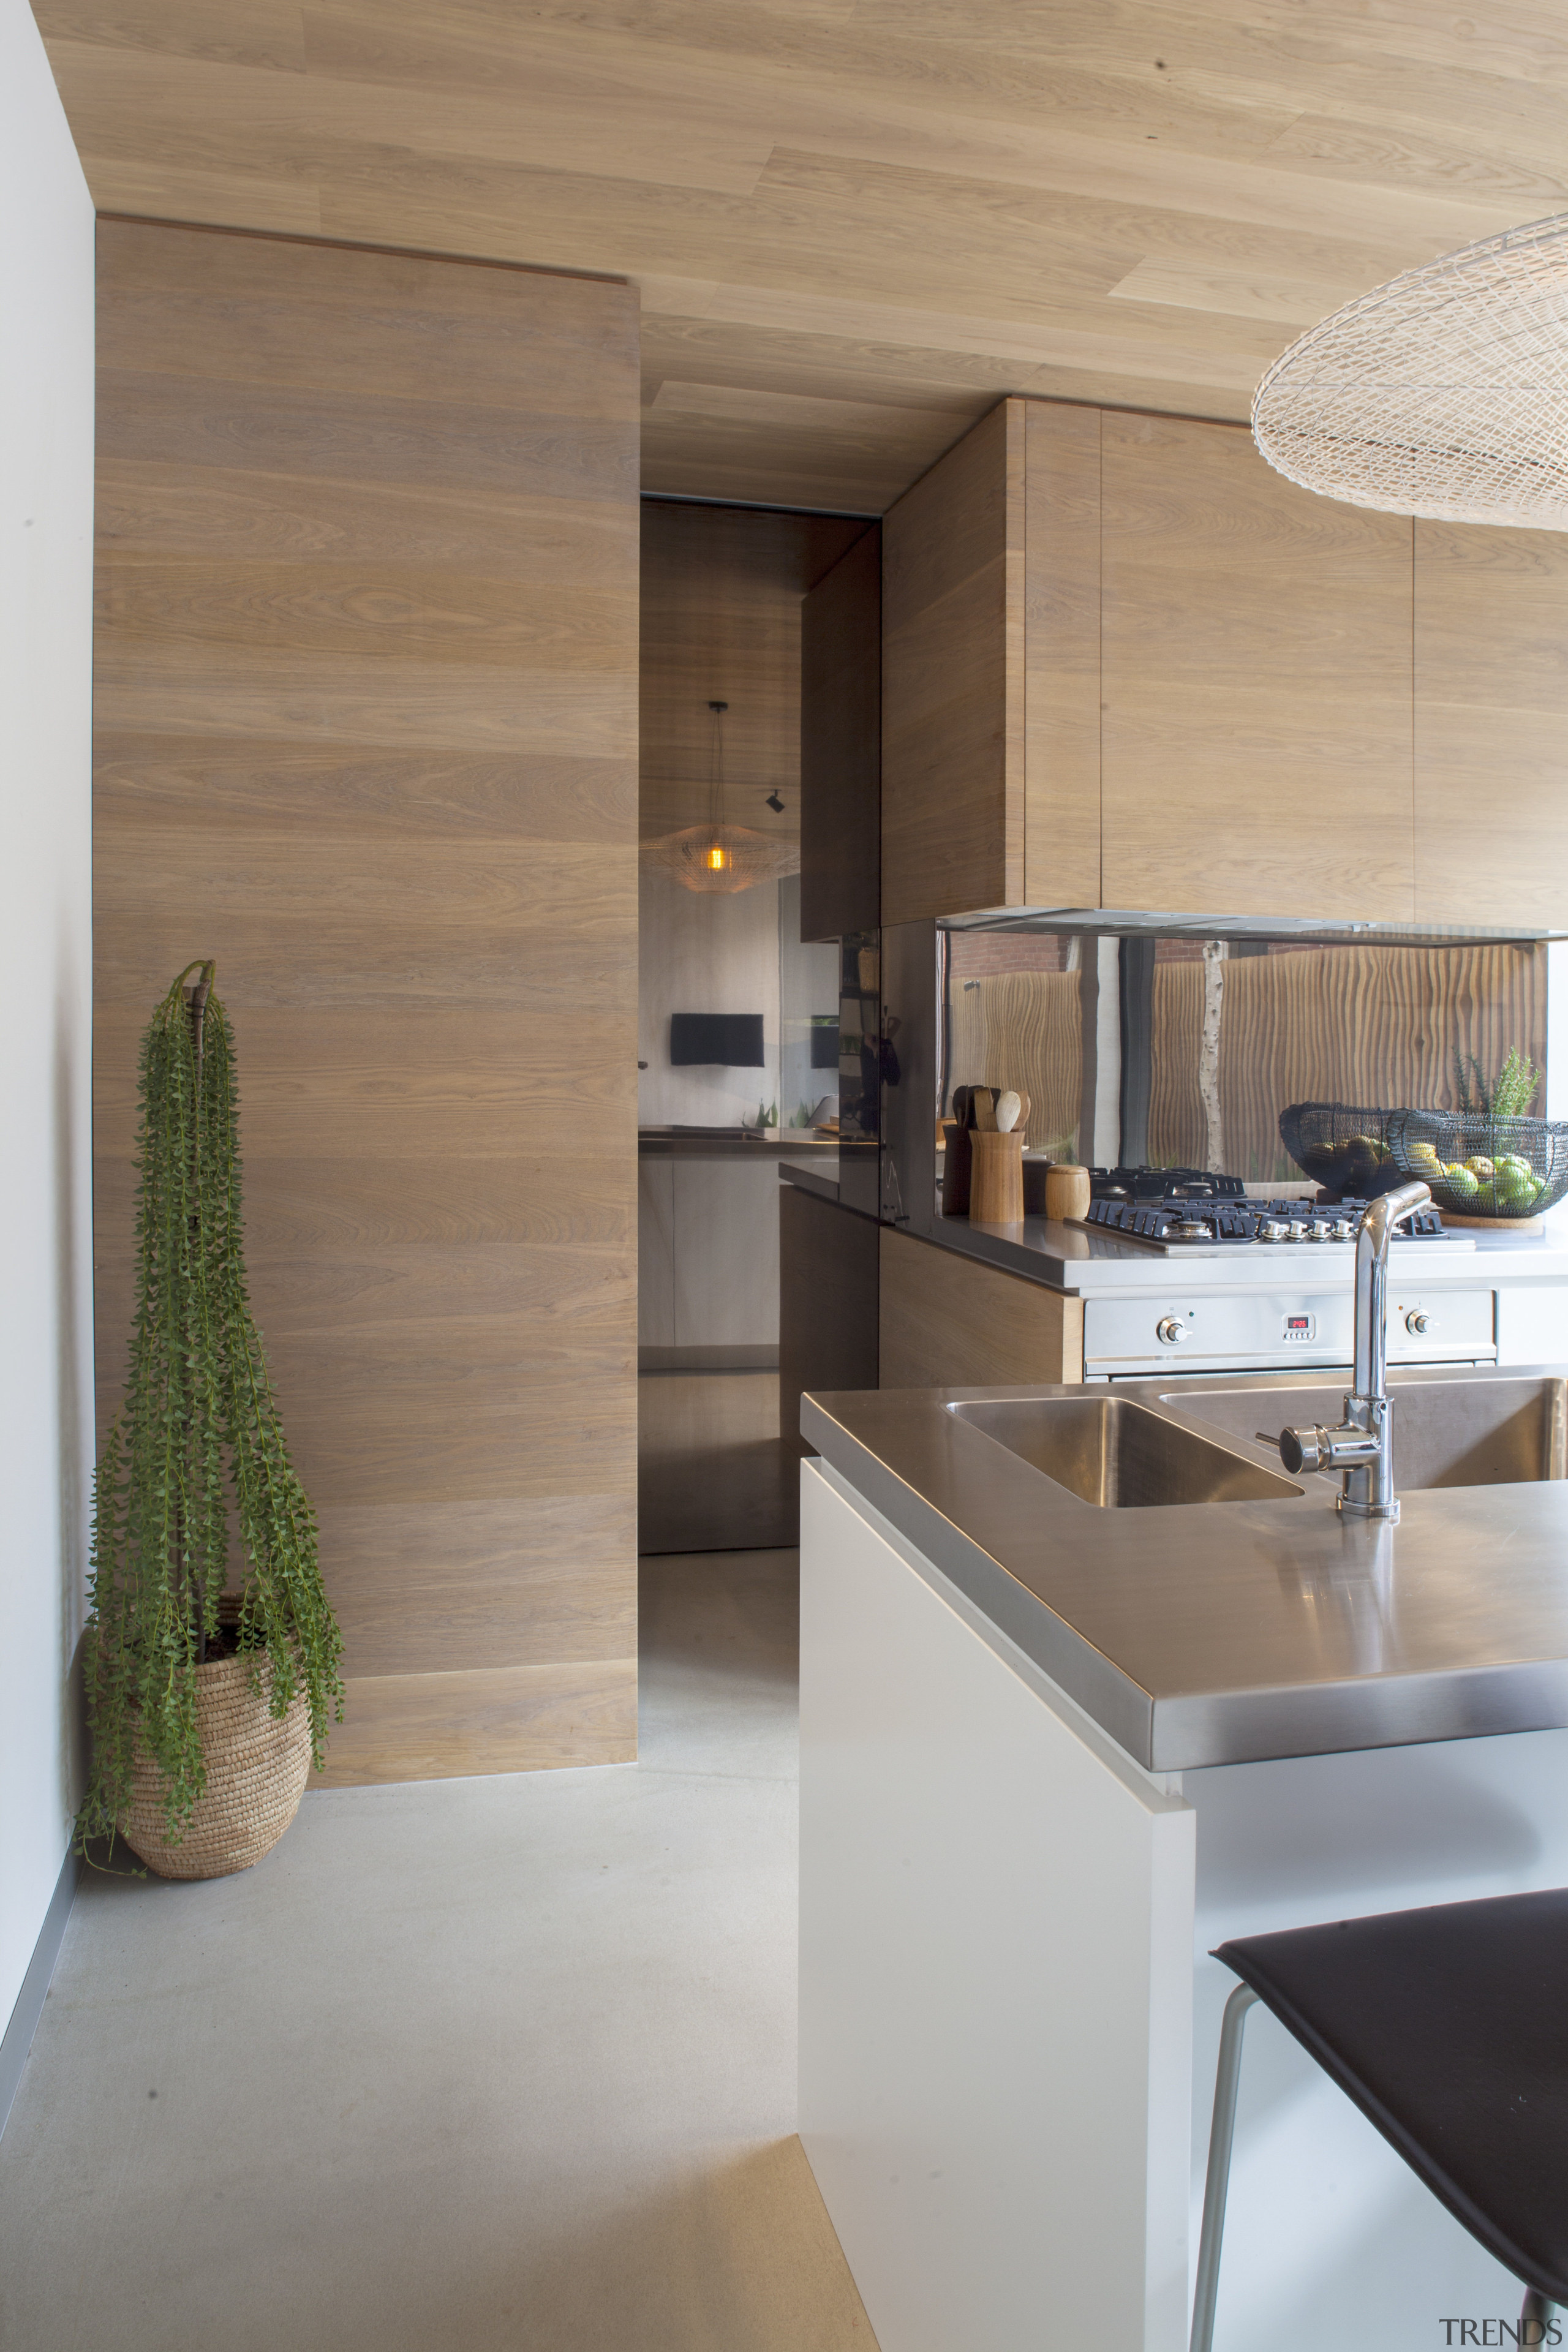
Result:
[1126,665]
[1255,686]
[990,671]
[1491,725]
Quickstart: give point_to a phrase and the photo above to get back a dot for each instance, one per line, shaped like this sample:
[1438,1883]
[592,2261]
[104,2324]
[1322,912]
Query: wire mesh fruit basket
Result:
[1344,1150]
[1482,1163]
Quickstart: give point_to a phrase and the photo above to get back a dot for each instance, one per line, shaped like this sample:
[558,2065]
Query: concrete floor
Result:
[483,2065]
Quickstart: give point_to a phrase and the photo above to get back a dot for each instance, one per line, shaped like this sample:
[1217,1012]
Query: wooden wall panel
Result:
[953,680]
[1061,654]
[945,1318]
[366,710]
[1256,737]
[1491,725]
[722,590]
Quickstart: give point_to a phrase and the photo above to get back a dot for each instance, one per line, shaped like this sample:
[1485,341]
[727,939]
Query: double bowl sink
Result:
[1121,1452]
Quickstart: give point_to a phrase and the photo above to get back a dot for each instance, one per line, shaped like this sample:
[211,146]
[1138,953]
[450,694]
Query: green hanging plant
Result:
[198,1418]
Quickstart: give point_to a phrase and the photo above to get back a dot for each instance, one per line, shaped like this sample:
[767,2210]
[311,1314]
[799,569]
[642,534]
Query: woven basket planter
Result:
[257,1767]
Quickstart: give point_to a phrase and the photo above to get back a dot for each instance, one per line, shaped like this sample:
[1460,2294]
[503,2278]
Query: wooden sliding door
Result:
[366,711]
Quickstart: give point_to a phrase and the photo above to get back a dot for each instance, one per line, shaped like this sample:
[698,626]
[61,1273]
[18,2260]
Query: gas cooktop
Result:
[1177,1222]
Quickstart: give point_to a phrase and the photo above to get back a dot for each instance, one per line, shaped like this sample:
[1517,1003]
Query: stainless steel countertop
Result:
[1070,1259]
[1223,1634]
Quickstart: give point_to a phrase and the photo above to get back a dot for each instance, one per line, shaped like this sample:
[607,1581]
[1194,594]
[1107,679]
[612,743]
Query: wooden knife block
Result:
[996,1178]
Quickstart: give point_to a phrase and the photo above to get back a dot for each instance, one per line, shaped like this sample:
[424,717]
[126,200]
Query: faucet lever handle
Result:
[1302,1450]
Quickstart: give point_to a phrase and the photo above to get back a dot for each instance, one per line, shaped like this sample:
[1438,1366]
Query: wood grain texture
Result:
[367,732]
[1376,1026]
[1255,662]
[1491,725]
[841,746]
[854,228]
[1022,1030]
[945,1318]
[1061,655]
[953,680]
[445,1726]
[722,590]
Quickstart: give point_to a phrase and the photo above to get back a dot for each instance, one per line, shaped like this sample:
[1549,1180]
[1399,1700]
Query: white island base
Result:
[1008,2019]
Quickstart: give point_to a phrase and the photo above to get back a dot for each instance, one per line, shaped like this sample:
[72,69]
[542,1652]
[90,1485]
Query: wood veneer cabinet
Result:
[1127,664]
[990,684]
[1491,725]
[1256,728]
[944,1318]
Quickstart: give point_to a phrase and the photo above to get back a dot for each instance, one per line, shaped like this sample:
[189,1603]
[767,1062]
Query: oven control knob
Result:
[1170,1329]
[1418,1321]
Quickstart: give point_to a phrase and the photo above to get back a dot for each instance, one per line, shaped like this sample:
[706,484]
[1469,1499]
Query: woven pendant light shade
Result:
[724,857]
[720,856]
[1443,393]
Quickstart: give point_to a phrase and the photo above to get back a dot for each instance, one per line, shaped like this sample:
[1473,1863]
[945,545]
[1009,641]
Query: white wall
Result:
[46,972]
[705,953]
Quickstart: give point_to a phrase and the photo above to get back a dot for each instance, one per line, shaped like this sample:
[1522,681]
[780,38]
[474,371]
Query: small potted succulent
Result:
[207,1706]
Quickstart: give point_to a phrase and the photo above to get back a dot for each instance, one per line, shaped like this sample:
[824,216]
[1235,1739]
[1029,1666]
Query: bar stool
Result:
[1449,2028]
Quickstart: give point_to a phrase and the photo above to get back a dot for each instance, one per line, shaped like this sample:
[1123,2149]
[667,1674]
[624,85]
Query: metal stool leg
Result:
[1534,2318]
[1227,2080]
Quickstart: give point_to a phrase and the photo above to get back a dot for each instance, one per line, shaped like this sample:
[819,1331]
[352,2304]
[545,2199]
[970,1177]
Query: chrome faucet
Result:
[1363,1446]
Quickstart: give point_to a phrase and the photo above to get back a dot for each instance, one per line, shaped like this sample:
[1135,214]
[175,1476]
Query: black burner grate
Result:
[1164,1184]
[1229,1219]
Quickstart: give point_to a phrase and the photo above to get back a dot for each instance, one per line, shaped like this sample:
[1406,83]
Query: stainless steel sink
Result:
[1496,1432]
[1122,1456]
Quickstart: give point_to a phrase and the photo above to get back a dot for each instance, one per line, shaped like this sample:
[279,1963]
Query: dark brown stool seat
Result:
[1449,2028]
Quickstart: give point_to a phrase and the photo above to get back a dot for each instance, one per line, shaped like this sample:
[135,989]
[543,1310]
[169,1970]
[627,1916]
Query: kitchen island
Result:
[1055,1749]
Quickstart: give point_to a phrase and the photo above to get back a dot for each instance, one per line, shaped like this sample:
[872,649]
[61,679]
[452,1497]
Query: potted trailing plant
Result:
[206,1707]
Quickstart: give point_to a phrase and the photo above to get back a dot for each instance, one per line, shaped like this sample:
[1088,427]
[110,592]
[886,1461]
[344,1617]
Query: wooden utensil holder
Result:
[996,1178]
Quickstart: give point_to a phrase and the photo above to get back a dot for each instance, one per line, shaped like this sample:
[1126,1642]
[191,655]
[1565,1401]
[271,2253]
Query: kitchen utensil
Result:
[1009,1105]
[985,1103]
[996,1179]
[1067,1190]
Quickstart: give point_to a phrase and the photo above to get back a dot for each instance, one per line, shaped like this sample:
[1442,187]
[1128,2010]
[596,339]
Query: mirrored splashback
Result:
[1182,1052]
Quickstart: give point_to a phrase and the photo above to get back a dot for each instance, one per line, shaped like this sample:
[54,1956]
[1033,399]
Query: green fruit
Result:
[1460,1183]
[1482,1167]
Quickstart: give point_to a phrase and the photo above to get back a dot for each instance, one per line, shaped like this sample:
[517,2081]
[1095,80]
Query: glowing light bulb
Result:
[716,858]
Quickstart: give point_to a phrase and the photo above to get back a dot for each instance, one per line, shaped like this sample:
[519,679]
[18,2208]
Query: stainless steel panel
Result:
[1202,1634]
[1494,1433]
[1241,1329]
[1121,1456]
[1249,1330]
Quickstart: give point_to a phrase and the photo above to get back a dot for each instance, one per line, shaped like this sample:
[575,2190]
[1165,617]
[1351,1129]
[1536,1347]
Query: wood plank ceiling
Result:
[854,222]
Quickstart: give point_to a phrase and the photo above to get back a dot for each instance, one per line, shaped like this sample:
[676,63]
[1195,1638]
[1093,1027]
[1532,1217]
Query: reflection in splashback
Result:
[1181,1052]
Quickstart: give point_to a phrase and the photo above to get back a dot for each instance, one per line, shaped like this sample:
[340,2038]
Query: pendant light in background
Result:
[717,855]
[1443,393]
